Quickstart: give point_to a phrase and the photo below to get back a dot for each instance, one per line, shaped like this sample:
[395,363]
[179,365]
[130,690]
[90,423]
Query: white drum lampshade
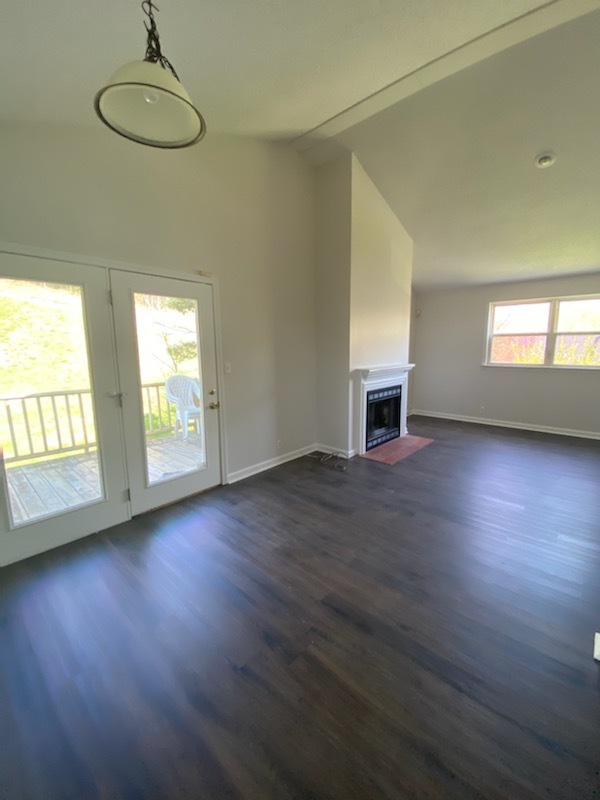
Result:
[145,101]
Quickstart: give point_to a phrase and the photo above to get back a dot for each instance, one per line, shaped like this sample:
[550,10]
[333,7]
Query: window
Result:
[558,332]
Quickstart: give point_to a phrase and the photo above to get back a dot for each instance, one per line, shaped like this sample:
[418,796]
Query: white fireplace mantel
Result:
[366,379]
[375,373]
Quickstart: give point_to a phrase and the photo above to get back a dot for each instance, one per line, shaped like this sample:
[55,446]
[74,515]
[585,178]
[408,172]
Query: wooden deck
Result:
[49,487]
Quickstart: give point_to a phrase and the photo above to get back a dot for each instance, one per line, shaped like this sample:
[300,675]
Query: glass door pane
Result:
[47,416]
[171,383]
[166,345]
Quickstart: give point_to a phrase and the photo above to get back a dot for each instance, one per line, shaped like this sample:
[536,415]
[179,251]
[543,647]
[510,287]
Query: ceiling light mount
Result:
[145,101]
[545,159]
[153,52]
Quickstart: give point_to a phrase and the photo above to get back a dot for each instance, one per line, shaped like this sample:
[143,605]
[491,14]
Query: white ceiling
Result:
[454,160]
[456,163]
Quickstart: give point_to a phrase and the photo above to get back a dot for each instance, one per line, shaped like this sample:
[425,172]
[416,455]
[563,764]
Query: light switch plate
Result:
[597,647]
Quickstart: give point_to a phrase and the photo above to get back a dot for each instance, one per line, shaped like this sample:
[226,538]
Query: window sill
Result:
[542,366]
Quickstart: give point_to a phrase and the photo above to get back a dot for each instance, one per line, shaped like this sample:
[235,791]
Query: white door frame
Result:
[112,507]
[201,276]
[144,495]
[26,549]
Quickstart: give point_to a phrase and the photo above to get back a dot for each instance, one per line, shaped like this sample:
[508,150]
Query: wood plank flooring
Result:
[422,630]
[47,487]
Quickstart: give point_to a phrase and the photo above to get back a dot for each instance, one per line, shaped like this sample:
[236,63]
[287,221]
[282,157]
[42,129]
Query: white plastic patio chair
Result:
[181,391]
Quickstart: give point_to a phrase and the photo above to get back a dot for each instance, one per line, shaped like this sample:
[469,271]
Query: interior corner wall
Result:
[381,276]
[333,229]
[449,378]
[239,208]
[363,284]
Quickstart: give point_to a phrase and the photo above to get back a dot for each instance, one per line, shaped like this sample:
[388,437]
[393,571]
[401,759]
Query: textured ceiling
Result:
[274,68]
[456,163]
[443,116]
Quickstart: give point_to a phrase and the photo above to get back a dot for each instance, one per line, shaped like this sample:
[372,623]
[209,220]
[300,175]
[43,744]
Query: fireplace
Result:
[383,416]
[380,398]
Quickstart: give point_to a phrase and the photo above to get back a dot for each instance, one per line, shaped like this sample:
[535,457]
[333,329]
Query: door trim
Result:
[199,276]
[205,473]
[40,533]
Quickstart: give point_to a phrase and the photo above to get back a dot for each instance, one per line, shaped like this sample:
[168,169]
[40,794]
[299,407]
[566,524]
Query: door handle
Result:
[119,396]
[214,405]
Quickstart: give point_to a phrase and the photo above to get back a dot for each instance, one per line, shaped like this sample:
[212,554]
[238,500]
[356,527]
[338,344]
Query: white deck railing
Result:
[52,423]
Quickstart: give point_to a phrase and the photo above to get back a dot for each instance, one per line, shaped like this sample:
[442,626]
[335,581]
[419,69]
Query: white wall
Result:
[333,232]
[364,271]
[381,273]
[449,348]
[239,208]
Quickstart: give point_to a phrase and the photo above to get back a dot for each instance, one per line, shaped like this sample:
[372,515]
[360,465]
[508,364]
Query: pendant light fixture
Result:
[145,101]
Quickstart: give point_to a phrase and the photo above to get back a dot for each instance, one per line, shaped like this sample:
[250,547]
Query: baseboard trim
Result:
[334,451]
[499,423]
[255,469]
[263,466]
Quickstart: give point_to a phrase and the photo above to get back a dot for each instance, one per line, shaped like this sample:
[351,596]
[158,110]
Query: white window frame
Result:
[550,332]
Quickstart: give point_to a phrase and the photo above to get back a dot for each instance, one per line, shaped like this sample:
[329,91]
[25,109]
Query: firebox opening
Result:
[383,415]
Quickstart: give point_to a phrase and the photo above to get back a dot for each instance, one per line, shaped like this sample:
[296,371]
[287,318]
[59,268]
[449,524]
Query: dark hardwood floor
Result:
[423,630]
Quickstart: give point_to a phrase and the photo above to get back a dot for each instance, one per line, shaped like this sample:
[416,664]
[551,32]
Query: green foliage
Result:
[180,352]
[155,424]
[30,330]
[180,304]
[43,349]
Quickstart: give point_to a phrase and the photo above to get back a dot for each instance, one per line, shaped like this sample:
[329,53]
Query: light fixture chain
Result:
[153,51]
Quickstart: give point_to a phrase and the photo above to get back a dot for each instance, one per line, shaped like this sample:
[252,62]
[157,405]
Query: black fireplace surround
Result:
[383,415]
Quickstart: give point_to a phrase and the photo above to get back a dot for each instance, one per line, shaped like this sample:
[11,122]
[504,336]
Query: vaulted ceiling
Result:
[445,103]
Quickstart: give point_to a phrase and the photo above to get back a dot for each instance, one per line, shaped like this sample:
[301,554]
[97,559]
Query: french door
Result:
[165,339]
[90,431]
